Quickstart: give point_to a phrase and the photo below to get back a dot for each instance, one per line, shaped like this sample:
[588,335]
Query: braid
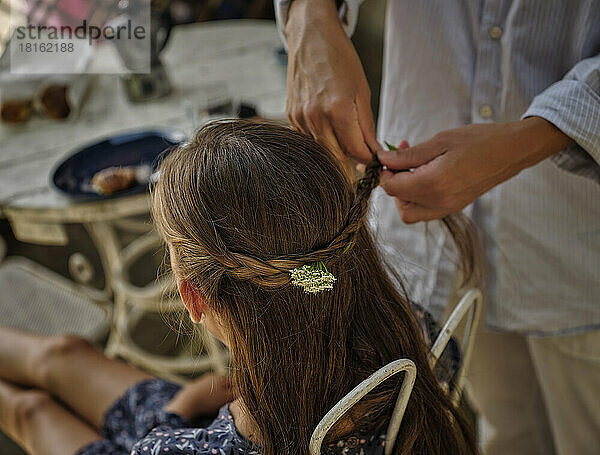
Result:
[275,272]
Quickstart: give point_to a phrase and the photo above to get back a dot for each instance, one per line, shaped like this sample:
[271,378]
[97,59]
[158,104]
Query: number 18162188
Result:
[46,47]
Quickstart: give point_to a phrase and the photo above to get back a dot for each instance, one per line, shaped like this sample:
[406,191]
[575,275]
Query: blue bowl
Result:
[73,176]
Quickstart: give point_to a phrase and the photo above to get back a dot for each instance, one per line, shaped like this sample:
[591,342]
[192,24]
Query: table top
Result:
[238,57]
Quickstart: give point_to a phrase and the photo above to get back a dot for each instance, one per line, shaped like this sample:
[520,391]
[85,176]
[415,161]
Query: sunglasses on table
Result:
[50,103]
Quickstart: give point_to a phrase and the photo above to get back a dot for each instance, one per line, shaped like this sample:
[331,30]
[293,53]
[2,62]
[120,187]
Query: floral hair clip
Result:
[313,278]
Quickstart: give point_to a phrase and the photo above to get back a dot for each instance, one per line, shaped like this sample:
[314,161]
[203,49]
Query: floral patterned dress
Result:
[137,424]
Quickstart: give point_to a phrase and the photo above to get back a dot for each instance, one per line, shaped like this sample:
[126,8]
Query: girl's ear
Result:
[192,299]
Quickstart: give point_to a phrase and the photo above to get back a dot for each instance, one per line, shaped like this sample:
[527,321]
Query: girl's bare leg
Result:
[39,424]
[67,367]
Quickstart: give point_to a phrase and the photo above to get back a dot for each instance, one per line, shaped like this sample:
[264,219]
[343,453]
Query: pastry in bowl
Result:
[113,179]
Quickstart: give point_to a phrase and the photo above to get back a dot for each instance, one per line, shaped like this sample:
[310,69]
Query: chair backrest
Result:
[470,306]
[354,396]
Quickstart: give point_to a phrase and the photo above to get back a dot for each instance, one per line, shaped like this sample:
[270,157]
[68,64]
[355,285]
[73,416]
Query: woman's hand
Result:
[203,397]
[452,169]
[327,91]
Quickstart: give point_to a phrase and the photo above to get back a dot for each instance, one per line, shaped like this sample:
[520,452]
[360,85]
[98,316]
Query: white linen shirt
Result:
[449,63]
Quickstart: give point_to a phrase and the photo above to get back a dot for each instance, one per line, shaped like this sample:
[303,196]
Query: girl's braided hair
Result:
[274,272]
[245,202]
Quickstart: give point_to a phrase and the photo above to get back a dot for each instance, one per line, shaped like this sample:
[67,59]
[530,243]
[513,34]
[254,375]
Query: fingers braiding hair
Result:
[273,273]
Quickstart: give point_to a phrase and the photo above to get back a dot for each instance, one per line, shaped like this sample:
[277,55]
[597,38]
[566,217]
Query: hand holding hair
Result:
[453,168]
[328,94]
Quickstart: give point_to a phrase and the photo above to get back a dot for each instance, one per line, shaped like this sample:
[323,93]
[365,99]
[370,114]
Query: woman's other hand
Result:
[327,92]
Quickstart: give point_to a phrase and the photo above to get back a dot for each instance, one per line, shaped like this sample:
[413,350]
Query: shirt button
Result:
[495,32]
[486,111]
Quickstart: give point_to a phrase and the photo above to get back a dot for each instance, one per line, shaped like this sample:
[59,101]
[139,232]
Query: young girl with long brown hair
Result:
[271,252]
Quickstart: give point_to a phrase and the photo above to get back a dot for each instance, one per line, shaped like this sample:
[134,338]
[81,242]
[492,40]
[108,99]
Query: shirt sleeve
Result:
[573,105]
[348,12]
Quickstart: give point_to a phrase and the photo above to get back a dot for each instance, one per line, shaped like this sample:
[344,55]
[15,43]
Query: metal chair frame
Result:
[354,396]
[469,305]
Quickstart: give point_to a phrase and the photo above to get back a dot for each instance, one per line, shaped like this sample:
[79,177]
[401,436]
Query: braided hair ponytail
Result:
[459,226]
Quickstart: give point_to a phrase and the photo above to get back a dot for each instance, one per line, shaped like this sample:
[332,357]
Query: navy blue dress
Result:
[137,424]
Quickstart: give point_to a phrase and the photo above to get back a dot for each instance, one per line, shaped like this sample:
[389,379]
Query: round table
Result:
[238,58]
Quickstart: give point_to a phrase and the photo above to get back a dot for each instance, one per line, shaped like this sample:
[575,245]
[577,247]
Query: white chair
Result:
[354,396]
[469,304]
[39,300]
